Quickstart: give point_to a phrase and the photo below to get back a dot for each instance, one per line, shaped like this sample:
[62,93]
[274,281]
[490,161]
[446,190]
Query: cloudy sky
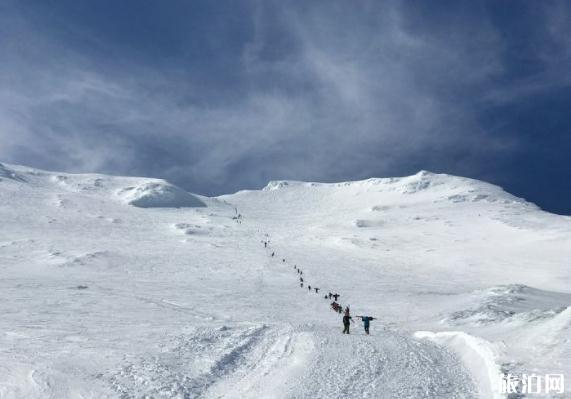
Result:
[218,96]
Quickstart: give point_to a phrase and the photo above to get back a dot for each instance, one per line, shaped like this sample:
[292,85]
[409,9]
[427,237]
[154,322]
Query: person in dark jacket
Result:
[347,320]
[366,322]
[336,297]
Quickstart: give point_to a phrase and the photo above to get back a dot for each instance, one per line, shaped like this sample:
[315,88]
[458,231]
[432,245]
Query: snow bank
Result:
[421,181]
[279,184]
[191,229]
[364,223]
[276,185]
[159,195]
[476,354]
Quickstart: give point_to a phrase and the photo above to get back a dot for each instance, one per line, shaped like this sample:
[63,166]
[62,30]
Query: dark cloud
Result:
[220,96]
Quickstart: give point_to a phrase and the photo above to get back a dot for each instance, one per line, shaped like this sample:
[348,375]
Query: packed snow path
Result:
[305,362]
[310,362]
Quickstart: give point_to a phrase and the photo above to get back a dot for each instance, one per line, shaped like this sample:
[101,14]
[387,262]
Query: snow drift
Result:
[477,354]
[159,195]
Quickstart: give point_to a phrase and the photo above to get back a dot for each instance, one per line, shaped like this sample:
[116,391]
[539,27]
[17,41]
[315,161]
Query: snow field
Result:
[106,299]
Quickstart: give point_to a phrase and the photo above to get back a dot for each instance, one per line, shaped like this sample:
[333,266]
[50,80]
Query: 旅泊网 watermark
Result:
[531,383]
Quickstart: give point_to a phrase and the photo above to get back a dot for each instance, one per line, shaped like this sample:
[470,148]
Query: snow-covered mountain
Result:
[122,287]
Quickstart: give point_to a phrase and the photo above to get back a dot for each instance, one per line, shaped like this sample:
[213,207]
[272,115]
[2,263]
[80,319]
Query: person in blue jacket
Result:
[366,322]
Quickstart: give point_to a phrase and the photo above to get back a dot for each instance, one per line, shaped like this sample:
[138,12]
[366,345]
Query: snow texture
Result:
[105,298]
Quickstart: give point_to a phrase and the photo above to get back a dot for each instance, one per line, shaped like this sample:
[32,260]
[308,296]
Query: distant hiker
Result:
[301,284]
[335,306]
[325,297]
[265,244]
[316,290]
[295,267]
[336,297]
[340,309]
[283,260]
[301,272]
[309,288]
[301,279]
[330,295]
[273,253]
[366,321]
[347,320]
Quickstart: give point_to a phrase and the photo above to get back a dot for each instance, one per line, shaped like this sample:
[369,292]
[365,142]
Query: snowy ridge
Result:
[451,188]
[515,302]
[138,192]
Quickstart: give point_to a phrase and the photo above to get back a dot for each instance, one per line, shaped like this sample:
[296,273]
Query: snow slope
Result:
[116,287]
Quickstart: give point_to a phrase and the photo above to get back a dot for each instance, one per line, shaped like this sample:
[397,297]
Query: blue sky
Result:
[218,96]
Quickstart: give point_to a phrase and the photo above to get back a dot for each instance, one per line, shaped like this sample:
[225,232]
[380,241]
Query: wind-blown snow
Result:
[103,298]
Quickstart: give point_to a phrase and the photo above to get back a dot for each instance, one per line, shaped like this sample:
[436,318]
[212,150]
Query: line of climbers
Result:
[336,307]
